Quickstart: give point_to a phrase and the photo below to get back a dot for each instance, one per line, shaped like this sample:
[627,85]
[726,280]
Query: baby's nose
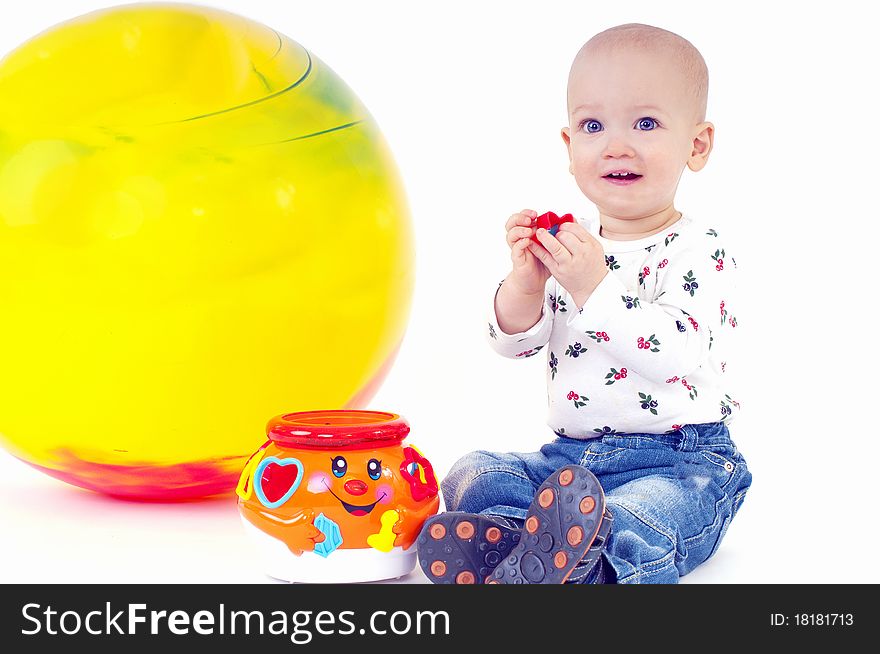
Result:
[617,147]
[355,487]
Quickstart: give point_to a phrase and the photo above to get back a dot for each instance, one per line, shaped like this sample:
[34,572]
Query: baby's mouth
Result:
[622,176]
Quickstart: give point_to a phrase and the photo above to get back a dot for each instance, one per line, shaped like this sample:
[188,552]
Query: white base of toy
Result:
[341,566]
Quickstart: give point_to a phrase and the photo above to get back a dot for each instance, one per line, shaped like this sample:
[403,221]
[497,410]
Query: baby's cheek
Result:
[387,490]
[319,483]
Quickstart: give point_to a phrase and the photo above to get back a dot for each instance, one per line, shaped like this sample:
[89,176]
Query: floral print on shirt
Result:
[674,257]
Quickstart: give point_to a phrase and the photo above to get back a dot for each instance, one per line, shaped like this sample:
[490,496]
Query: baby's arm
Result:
[534,336]
[515,310]
[671,335]
[519,300]
[521,317]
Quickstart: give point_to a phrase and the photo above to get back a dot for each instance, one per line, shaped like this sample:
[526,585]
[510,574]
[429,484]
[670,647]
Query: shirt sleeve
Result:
[671,334]
[531,341]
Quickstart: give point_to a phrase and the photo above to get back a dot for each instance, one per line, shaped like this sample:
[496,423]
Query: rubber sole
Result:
[561,525]
[463,548]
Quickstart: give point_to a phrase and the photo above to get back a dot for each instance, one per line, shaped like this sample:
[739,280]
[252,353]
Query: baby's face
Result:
[632,113]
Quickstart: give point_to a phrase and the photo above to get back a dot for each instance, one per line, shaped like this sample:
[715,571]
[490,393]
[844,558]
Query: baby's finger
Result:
[518,234]
[541,255]
[518,248]
[570,241]
[580,243]
[523,243]
[523,219]
[556,250]
[575,229]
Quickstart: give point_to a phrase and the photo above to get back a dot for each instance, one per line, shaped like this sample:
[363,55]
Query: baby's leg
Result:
[504,484]
[673,518]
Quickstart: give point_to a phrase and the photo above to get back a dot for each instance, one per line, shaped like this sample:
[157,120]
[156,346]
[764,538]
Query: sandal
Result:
[563,521]
[464,548]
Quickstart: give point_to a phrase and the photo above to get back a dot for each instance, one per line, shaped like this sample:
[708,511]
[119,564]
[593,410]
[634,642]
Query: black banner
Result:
[419,618]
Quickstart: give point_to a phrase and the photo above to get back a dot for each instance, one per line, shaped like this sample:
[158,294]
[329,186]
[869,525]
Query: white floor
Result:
[53,532]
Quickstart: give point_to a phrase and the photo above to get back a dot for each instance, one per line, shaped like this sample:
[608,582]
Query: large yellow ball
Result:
[201,227]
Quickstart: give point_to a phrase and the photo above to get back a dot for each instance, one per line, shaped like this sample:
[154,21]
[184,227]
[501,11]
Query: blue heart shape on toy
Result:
[275,485]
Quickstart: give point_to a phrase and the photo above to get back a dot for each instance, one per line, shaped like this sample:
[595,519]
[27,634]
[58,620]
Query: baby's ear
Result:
[566,136]
[704,137]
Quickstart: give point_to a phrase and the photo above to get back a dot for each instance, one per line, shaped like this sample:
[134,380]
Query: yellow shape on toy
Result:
[245,487]
[384,540]
[200,227]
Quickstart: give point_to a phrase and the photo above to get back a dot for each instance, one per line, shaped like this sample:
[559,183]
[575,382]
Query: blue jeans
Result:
[672,496]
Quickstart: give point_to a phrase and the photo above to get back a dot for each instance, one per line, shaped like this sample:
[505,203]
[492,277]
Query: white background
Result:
[471,97]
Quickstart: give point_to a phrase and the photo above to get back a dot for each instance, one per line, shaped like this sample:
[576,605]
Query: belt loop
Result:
[689,438]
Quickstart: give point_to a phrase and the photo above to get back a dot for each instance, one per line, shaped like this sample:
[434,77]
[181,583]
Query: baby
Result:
[634,315]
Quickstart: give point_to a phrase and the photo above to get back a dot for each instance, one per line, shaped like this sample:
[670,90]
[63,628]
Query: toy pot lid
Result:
[338,429]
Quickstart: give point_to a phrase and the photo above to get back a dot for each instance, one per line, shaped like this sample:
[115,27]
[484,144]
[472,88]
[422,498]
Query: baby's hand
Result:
[574,258]
[528,275]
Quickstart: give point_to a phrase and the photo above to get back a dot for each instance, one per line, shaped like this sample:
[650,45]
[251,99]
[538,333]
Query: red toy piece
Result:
[420,489]
[551,222]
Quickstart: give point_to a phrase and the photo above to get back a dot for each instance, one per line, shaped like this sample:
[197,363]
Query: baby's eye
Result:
[591,126]
[646,124]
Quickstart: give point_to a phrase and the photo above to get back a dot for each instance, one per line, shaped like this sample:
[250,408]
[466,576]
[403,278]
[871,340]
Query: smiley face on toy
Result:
[355,487]
[325,487]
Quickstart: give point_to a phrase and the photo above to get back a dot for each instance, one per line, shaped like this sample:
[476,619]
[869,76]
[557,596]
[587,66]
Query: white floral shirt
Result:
[647,352]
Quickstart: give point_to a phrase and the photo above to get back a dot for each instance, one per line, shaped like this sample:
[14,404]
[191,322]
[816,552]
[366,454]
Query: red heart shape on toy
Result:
[277,479]
[551,222]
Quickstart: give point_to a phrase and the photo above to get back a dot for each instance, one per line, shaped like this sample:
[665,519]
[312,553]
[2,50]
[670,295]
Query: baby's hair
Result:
[655,39]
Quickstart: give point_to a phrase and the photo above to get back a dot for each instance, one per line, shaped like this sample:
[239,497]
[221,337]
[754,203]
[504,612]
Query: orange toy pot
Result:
[336,496]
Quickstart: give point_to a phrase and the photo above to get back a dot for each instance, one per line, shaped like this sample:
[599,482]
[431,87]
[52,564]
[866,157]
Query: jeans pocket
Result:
[723,467]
